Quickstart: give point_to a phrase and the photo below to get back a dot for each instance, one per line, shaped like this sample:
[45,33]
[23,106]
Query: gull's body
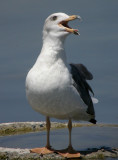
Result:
[50,84]
[50,87]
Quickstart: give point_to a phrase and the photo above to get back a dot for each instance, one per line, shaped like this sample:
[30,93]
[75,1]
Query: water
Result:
[21,40]
[82,138]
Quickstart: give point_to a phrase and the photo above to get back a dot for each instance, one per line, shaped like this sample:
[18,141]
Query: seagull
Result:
[55,88]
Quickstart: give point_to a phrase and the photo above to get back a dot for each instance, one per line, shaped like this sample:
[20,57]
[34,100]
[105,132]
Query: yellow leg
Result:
[70,130]
[48,125]
[69,152]
[47,148]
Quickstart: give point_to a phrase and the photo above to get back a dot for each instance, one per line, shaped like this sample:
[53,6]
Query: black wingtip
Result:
[93,121]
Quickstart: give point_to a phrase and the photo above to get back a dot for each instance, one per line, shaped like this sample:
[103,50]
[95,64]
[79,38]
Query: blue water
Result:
[21,24]
[82,138]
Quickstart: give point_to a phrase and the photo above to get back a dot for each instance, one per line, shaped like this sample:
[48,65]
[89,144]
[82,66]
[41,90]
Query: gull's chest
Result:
[46,79]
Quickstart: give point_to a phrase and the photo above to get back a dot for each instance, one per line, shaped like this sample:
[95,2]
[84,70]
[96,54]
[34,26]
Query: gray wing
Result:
[80,74]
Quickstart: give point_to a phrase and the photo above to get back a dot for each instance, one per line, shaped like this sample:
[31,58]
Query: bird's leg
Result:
[69,152]
[70,148]
[48,132]
[47,149]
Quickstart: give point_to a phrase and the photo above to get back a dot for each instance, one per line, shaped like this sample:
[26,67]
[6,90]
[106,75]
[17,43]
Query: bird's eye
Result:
[54,18]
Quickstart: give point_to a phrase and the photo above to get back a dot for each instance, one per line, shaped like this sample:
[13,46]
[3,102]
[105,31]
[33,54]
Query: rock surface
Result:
[25,127]
[24,154]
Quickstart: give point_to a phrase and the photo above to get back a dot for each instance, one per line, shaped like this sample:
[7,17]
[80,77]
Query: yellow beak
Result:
[67,28]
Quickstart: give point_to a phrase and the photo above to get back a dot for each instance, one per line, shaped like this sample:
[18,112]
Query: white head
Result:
[56,26]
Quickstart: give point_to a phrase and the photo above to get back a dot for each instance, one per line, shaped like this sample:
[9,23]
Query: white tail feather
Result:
[94,100]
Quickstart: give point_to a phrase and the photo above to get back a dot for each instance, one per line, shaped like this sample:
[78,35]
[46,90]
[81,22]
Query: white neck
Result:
[57,43]
[52,50]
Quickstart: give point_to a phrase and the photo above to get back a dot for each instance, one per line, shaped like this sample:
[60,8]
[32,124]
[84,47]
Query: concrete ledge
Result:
[25,127]
[24,154]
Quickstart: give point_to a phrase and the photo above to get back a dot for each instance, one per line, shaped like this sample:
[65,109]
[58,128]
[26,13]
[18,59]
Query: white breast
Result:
[50,92]
[49,86]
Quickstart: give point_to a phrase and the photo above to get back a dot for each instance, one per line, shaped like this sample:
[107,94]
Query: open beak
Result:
[64,24]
